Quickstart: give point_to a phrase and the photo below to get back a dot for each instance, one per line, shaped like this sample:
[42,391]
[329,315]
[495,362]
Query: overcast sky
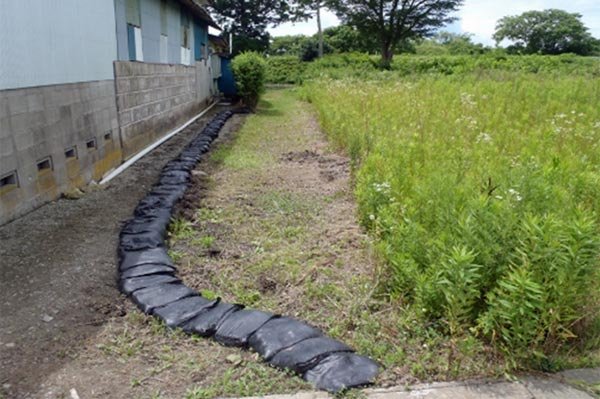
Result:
[476,16]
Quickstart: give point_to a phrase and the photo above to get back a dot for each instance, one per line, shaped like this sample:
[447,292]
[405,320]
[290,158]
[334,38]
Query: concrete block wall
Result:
[153,99]
[54,138]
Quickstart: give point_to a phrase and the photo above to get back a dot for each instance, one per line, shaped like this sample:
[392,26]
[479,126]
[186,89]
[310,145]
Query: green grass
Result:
[483,192]
[245,379]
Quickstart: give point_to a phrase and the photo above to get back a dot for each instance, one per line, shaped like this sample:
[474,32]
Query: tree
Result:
[248,20]
[306,48]
[546,32]
[346,39]
[393,22]
[450,43]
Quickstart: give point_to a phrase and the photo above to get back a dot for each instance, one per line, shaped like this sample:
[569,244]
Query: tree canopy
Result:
[549,31]
[392,22]
[248,20]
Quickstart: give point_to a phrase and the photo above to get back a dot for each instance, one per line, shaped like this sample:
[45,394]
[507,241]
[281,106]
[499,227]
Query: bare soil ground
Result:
[58,271]
[270,222]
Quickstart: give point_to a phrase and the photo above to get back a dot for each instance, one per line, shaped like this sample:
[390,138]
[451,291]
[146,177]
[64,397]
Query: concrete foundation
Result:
[155,98]
[53,139]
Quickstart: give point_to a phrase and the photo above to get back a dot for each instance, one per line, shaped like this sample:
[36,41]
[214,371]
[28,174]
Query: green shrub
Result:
[284,69]
[249,71]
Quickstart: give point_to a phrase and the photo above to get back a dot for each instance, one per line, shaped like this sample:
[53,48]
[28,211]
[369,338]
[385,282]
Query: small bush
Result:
[284,69]
[249,71]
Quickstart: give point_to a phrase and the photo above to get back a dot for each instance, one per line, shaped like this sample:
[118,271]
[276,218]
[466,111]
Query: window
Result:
[44,164]
[164,33]
[9,180]
[186,52]
[199,43]
[91,144]
[71,152]
[134,30]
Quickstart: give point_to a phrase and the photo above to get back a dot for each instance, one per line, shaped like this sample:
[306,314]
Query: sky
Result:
[477,17]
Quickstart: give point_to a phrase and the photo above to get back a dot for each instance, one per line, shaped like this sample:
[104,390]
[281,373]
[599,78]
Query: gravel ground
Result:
[58,268]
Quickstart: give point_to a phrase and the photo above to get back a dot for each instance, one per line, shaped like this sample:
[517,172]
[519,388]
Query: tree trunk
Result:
[320,31]
[386,56]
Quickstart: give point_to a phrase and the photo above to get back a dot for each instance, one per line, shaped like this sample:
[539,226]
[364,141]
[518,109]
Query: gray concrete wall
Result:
[155,98]
[41,122]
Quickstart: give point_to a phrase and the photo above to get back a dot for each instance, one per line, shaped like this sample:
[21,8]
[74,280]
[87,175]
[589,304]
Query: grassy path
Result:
[270,222]
[277,231]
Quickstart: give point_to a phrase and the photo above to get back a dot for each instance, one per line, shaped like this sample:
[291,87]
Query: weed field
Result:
[483,193]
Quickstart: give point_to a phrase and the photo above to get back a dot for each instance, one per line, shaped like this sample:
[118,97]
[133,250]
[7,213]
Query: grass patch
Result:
[245,379]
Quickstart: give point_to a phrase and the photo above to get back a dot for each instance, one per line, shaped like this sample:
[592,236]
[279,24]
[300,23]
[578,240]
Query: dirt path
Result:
[269,222]
[57,268]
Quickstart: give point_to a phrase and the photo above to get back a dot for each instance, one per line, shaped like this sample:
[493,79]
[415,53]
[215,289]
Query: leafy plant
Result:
[249,70]
[482,191]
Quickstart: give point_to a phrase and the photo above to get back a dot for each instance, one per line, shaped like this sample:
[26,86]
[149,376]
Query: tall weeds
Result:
[484,194]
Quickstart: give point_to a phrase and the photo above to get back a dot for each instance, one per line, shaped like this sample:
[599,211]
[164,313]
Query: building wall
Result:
[40,124]
[155,98]
[69,112]
[44,42]
[151,31]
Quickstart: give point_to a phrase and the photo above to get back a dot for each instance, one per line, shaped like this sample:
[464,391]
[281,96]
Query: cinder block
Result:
[17,102]
[8,162]
[123,85]
[6,147]
[5,126]
[23,140]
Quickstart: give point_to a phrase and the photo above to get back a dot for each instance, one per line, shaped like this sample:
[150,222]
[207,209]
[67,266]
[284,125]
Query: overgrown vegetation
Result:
[340,66]
[249,71]
[483,192]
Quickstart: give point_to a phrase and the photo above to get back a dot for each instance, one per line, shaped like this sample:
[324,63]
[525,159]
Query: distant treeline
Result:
[290,69]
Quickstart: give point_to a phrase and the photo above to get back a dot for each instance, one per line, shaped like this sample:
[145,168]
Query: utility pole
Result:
[320,33]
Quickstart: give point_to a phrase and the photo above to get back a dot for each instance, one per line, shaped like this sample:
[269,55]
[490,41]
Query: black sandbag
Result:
[140,241]
[155,200]
[129,285]
[195,158]
[177,165]
[137,258]
[158,199]
[280,333]
[174,191]
[340,371]
[147,270]
[171,189]
[237,327]
[150,298]
[140,225]
[177,313]
[170,178]
[177,173]
[162,214]
[307,354]
[205,324]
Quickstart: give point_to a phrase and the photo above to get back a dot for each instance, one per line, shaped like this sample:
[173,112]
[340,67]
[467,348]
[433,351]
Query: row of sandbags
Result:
[148,276]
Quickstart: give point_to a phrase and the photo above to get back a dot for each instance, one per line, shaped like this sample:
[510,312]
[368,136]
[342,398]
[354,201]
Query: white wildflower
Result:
[484,138]
[515,194]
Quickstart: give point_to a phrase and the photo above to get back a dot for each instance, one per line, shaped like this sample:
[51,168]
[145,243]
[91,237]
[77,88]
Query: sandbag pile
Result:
[148,276]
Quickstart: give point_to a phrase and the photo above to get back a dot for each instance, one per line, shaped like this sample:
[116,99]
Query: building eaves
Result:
[196,7]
